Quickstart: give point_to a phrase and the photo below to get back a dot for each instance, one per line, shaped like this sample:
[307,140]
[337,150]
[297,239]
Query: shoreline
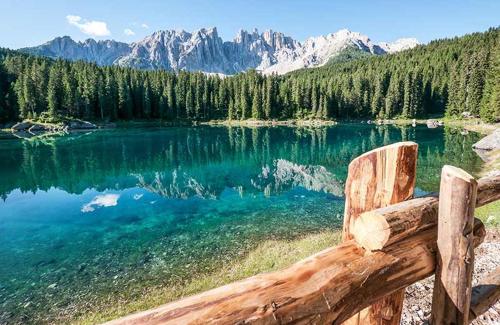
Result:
[474,125]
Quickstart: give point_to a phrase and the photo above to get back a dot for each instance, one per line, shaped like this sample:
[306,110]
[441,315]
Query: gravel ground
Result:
[418,299]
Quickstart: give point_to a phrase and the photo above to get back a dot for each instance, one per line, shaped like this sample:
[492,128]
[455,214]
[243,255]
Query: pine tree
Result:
[393,97]
[54,92]
[146,99]
[476,72]
[169,93]
[111,94]
[69,102]
[377,102]
[257,103]
[190,105]
[490,104]
[30,94]
[407,95]
[124,98]
[268,96]
[198,94]
[456,90]
[244,105]
[417,96]
[314,100]
[163,107]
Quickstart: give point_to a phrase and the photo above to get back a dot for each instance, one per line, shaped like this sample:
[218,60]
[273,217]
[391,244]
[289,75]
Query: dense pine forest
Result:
[448,77]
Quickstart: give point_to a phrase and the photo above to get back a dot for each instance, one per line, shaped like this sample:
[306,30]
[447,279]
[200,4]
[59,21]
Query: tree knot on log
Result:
[387,313]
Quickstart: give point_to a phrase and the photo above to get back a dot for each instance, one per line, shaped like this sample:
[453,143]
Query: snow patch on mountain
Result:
[399,45]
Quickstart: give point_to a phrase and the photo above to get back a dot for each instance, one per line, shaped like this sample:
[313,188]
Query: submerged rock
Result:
[21,126]
[81,125]
[37,128]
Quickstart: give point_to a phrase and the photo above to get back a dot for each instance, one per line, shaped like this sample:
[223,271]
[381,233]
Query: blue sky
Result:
[32,22]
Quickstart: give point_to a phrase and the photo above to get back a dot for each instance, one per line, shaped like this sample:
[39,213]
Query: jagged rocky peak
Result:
[274,40]
[279,41]
[101,52]
[203,50]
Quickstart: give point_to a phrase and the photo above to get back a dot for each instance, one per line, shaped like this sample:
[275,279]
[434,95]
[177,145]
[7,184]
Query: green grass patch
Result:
[269,256]
[489,214]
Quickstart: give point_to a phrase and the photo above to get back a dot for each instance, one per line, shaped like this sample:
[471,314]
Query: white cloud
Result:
[143,25]
[106,200]
[128,32]
[89,27]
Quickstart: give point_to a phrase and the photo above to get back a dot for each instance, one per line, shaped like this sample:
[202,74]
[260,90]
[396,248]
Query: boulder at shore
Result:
[488,143]
[48,127]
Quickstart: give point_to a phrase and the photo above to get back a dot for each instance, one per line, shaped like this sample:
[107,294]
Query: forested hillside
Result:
[446,76]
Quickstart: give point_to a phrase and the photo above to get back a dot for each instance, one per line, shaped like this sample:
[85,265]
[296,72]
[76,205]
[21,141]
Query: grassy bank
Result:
[269,256]
[489,214]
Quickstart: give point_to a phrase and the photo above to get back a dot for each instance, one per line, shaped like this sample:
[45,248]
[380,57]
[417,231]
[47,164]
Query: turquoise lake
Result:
[88,217]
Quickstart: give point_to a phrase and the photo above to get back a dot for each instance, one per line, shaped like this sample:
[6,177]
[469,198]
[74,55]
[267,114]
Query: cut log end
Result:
[457,173]
[371,231]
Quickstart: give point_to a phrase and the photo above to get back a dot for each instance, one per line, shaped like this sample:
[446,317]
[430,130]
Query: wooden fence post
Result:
[376,179]
[455,256]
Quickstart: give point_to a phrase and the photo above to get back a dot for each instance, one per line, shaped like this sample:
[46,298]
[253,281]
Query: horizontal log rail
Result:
[328,287]
[382,227]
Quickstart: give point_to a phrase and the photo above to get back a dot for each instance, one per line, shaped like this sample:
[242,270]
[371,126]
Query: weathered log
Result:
[328,287]
[485,294]
[382,227]
[455,257]
[488,190]
[377,179]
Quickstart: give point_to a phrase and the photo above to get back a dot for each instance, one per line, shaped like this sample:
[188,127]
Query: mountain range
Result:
[204,50]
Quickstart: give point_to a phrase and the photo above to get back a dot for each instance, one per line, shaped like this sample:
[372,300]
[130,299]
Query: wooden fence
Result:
[390,242]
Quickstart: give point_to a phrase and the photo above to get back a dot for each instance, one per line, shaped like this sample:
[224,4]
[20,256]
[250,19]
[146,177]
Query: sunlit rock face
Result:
[203,50]
[101,52]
